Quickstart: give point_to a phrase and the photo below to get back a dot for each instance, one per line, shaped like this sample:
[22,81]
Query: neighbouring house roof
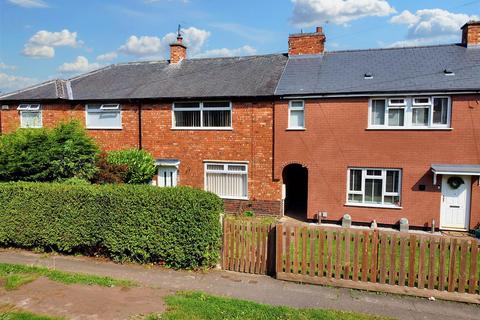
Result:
[414,69]
[49,90]
[191,78]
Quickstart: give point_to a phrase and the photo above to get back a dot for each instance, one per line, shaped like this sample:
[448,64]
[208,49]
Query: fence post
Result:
[224,250]
[279,247]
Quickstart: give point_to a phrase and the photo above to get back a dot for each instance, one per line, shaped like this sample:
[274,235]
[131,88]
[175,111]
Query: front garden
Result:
[58,192]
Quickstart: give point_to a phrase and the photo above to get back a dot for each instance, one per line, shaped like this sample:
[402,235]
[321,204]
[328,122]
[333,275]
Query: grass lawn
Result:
[258,220]
[13,276]
[197,306]
[10,313]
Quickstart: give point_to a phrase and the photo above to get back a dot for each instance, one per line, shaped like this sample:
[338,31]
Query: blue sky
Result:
[45,39]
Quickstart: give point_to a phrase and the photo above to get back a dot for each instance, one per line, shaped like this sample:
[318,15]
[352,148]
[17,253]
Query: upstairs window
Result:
[374,187]
[227,180]
[30,115]
[103,116]
[410,113]
[296,114]
[202,115]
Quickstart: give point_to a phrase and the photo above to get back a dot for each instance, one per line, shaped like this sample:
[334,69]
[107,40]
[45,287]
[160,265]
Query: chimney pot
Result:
[307,43]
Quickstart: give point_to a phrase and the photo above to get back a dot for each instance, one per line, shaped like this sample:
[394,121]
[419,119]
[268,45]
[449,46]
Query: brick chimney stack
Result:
[307,43]
[178,51]
[471,34]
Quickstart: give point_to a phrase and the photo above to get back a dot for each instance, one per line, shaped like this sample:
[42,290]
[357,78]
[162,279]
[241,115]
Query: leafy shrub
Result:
[109,173]
[249,213]
[73,153]
[141,165]
[47,154]
[177,226]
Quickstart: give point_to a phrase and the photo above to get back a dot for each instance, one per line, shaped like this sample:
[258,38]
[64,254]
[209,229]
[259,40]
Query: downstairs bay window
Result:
[410,113]
[227,180]
[374,187]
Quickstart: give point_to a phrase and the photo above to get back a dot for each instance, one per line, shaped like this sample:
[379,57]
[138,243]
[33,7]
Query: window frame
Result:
[175,179]
[106,110]
[292,108]
[225,165]
[201,108]
[27,108]
[382,177]
[408,107]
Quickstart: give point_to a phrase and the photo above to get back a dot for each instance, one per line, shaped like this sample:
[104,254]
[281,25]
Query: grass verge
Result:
[8,312]
[197,305]
[14,276]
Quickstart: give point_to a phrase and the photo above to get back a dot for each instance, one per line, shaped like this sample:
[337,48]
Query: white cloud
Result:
[29,3]
[80,65]
[109,56]
[431,26]
[41,44]
[5,66]
[147,46]
[141,46]
[10,82]
[308,13]
[225,52]
[406,17]
[152,47]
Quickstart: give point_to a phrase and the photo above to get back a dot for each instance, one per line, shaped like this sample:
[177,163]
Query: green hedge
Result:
[178,226]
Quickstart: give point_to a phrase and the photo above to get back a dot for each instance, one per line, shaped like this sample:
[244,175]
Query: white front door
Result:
[167,176]
[455,205]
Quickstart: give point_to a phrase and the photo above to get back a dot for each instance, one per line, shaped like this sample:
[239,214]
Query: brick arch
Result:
[287,163]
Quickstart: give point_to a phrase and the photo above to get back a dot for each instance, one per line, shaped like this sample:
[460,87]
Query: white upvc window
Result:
[30,115]
[296,114]
[374,187]
[202,115]
[227,180]
[103,116]
[422,112]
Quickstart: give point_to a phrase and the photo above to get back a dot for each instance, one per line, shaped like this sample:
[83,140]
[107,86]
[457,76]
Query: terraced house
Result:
[380,134]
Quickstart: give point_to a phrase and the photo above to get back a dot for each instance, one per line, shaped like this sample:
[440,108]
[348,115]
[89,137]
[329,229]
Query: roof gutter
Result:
[328,95]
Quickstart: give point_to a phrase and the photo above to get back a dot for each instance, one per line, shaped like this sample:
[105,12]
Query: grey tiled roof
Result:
[394,70]
[192,78]
[49,90]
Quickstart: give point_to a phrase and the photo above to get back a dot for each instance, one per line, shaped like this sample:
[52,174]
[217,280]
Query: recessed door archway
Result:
[295,179]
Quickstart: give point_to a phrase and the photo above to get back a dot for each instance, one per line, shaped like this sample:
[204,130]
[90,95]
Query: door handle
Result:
[454,206]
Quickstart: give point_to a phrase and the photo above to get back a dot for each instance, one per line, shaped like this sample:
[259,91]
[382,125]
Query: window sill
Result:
[365,205]
[407,129]
[202,129]
[295,129]
[232,198]
[100,128]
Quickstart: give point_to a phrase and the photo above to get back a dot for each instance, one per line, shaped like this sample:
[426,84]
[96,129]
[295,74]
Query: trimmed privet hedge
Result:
[177,226]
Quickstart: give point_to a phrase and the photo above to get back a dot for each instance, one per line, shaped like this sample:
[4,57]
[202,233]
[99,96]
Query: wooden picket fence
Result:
[248,246]
[421,265]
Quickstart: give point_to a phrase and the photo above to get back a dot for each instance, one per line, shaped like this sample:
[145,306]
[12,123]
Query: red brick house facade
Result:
[376,134]
[220,138]
[382,134]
